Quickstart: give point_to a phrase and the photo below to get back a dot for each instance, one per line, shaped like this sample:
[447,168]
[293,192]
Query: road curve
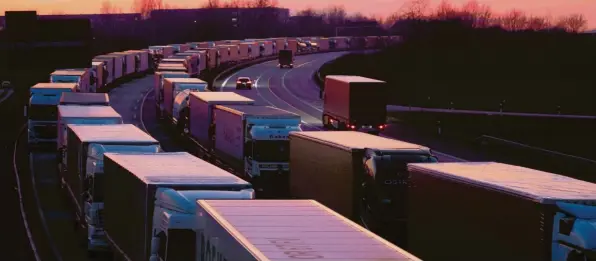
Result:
[295,90]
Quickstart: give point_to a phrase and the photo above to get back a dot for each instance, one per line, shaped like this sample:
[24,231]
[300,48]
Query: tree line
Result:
[476,14]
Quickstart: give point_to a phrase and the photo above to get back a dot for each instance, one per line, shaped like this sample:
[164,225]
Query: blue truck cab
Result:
[42,111]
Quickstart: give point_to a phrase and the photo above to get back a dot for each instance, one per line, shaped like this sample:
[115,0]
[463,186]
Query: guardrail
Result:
[535,157]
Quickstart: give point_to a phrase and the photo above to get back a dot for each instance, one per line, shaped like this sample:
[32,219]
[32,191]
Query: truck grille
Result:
[46,131]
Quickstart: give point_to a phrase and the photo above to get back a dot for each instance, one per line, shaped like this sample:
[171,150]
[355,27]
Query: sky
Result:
[368,7]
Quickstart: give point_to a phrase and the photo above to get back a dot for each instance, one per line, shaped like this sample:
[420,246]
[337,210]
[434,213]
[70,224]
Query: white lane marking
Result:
[143,106]
[21,203]
[225,82]
[283,85]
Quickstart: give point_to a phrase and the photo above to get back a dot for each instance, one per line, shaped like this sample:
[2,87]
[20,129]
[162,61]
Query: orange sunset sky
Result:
[377,7]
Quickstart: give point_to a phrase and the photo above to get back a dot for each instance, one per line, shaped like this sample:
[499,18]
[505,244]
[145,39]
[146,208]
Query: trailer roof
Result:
[173,168]
[97,62]
[353,79]
[185,80]
[219,97]
[87,111]
[269,228]
[111,133]
[69,72]
[86,98]
[355,140]
[534,184]
[55,85]
[255,110]
[171,72]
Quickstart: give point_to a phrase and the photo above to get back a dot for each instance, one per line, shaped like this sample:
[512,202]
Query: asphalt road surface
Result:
[295,90]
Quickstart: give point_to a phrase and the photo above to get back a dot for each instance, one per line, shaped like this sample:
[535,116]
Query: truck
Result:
[361,176]
[263,230]
[172,68]
[279,44]
[85,180]
[79,114]
[252,141]
[233,52]
[178,48]
[79,76]
[266,48]
[199,119]
[286,59]
[202,56]
[158,87]
[212,60]
[42,111]
[118,65]
[175,95]
[128,64]
[293,46]
[98,77]
[81,98]
[142,60]
[192,62]
[150,208]
[108,71]
[223,54]
[499,212]
[354,103]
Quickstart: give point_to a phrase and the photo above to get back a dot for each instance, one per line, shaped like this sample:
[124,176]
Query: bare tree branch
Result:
[573,23]
[108,8]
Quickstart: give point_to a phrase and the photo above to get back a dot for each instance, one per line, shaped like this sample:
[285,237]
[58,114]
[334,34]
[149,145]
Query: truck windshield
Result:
[190,86]
[43,112]
[65,78]
[271,150]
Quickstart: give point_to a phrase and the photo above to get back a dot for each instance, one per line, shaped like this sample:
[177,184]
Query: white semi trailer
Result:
[151,203]
[264,230]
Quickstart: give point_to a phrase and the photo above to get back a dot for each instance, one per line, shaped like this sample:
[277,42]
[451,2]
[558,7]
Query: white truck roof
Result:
[173,168]
[218,97]
[185,80]
[252,110]
[356,140]
[539,186]
[352,79]
[269,228]
[69,72]
[77,111]
[55,85]
[111,133]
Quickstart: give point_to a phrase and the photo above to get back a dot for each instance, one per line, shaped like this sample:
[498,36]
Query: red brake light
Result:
[352,127]
[238,82]
[382,126]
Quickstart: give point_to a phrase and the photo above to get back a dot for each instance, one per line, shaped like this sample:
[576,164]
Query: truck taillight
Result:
[238,82]
[382,126]
[352,126]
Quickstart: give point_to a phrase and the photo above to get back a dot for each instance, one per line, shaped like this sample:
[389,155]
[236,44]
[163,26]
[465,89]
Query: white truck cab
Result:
[79,76]
[175,94]
[158,87]
[42,112]
[89,144]
[99,76]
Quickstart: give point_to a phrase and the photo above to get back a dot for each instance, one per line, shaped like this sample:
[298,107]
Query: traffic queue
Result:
[254,186]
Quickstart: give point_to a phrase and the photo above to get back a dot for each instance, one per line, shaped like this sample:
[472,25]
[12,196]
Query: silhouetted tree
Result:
[514,21]
[537,23]
[572,23]
[212,4]
[414,9]
[335,15]
[390,20]
[445,11]
[144,7]
[107,7]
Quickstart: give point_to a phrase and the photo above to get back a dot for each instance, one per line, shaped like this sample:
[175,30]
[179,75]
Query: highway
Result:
[295,90]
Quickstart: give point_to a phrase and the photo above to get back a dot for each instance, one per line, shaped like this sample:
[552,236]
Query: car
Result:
[243,83]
